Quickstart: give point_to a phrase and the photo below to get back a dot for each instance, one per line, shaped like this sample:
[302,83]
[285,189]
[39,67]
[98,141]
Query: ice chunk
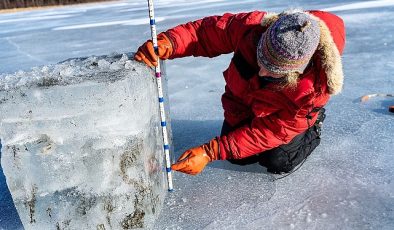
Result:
[103,64]
[82,144]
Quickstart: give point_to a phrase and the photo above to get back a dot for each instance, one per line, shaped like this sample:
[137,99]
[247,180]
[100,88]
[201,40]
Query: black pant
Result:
[284,158]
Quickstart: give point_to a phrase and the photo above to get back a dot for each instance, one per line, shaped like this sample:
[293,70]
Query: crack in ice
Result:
[19,50]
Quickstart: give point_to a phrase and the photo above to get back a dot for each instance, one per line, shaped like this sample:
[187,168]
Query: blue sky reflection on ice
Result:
[347,183]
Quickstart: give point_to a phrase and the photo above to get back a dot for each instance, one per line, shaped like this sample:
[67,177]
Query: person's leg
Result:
[286,157]
[245,161]
[283,158]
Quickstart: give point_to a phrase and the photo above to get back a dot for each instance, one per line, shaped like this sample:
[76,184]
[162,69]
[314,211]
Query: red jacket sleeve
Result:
[210,36]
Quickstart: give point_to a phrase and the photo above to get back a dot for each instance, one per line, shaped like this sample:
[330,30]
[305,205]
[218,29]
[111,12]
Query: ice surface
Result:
[200,201]
[140,21]
[82,144]
[362,5]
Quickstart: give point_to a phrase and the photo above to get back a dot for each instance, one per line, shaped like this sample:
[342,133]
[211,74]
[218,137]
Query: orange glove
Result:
[146,52]
[194,160]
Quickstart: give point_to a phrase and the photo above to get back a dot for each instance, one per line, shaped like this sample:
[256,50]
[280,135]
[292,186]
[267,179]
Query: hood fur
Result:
[329,54]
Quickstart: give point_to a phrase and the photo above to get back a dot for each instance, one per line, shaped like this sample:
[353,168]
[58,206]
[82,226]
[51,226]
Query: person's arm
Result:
[242,142]
[211,36]
[194,160]
[207,37]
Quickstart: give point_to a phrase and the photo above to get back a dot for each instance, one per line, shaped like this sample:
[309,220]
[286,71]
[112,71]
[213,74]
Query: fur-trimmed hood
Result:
[328,50]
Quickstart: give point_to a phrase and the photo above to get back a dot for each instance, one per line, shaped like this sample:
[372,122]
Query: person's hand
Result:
[194,160]
[146,52]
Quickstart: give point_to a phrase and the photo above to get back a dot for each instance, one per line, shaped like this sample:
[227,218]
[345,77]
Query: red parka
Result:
[276,114]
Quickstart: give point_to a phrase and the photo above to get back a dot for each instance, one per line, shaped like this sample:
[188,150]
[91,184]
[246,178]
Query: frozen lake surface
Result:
[347,183]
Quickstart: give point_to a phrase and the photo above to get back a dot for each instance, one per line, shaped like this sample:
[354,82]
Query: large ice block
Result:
[82,144]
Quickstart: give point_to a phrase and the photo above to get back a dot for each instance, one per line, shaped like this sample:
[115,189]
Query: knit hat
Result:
[289,43]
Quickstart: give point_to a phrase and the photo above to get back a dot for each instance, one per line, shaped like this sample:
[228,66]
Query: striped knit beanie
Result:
[289,43]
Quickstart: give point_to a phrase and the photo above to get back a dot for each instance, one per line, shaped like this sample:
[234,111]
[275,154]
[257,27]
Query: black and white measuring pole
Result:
[161,97]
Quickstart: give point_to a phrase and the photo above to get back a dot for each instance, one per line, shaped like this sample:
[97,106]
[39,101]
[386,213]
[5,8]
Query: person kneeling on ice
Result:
[284,69]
